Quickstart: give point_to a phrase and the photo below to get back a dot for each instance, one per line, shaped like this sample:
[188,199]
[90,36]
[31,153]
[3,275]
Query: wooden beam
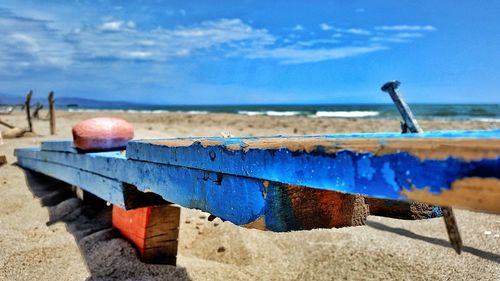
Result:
[105,188]
[241,200]
[271,169]
[153,230]
[115,192]
[58,145]
[389,165]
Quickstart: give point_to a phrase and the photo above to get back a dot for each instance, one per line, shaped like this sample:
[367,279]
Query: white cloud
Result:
[409,35]
[137,54]
[292,55]
[116,25]
[402,37]
[325,27]
[357,31]
[30,43]
[298,27]
[111,25]
[388,39]
[182,12]
[311,43]
[164,44]
[406,28]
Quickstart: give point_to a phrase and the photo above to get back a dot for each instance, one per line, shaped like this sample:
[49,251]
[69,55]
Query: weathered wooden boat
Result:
[255,179]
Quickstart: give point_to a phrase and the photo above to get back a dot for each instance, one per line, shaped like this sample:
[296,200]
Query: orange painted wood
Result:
[153,230]
[132,224]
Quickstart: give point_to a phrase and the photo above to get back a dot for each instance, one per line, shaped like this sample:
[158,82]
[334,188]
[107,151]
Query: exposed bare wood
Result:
[423,148]
[480,194]
[401,209]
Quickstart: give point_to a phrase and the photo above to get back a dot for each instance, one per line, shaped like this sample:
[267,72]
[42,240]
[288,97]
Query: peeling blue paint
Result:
[389,176]
[345,171]
[364,167]
[229,183]
[232,198]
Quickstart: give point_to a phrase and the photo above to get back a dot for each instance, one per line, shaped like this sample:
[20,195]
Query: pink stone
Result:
[103,133]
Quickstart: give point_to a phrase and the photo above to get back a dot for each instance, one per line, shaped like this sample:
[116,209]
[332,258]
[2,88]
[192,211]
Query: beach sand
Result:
[48,234]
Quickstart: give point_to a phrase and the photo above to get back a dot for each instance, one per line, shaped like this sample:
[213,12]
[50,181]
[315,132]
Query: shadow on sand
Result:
[476,252]
[107,255]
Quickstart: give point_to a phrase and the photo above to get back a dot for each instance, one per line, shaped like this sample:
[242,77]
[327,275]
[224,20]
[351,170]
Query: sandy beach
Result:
[46,233]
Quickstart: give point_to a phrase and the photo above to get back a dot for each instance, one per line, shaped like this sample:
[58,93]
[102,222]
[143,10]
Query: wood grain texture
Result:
[241,200]
[402,209]
[377,165]
[153,230]
[469,145]
[277,187]
[481,194]
[108,189]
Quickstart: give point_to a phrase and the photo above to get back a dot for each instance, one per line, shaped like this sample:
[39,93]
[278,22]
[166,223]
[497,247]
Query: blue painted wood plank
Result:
[380,165]
[236,199]
[59,145]
[63,146]
[105,188]
[245,180]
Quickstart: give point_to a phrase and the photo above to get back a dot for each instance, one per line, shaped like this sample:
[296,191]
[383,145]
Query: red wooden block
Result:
[153,230]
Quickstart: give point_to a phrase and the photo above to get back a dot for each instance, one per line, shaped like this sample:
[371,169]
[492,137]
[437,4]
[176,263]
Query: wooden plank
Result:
[59,145]
[122,194]
[241,200]
[153,230]
[402,209]
[108,189]
[390,166]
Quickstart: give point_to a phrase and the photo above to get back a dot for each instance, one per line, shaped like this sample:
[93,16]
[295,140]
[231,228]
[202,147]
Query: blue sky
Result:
[244,52]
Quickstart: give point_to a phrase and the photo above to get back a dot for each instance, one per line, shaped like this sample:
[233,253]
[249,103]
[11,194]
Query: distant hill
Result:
[64,102]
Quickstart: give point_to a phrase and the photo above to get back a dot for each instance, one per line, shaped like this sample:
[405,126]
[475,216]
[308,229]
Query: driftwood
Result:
[6,124]
[52,114]
[28,115]
[36,112]
[13,133]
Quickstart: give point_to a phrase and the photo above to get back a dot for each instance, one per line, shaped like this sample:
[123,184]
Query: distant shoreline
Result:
[485,113]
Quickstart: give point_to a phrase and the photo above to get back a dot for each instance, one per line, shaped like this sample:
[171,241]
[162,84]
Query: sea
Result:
[478,112]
